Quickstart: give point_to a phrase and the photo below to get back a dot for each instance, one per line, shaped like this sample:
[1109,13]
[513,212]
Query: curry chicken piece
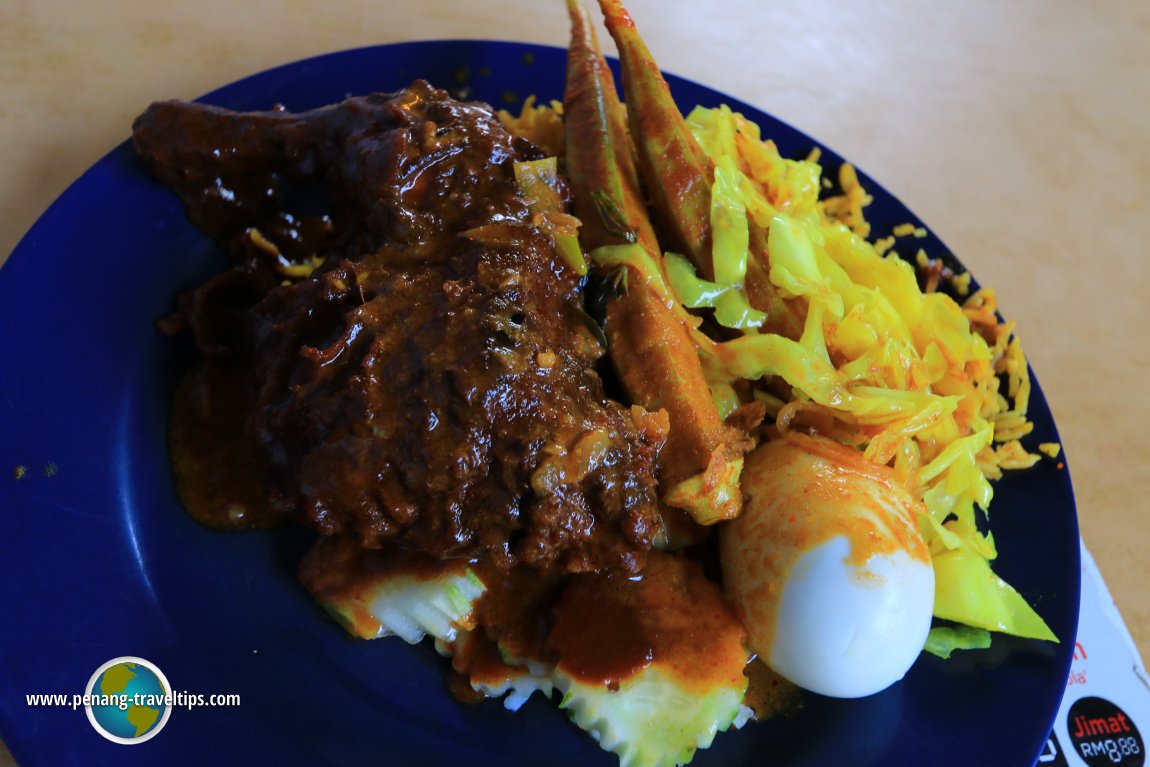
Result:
[397,353]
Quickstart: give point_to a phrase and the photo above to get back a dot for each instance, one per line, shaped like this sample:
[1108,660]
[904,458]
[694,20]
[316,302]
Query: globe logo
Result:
[131,700]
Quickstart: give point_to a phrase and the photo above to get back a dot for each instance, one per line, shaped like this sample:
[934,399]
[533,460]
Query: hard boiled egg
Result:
[827,567]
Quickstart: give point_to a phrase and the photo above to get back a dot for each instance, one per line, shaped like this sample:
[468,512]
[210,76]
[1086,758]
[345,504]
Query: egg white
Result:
[827,568]
[849,632]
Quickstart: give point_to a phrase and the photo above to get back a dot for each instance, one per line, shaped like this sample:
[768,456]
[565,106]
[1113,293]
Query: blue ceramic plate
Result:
[97,559]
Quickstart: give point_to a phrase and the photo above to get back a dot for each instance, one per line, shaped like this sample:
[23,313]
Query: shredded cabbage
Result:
[730,232]
[971,593]
[538,182]
[944,640]
[729,301]
[909,376]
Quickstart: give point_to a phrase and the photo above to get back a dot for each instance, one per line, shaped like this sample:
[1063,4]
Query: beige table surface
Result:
[1017,130]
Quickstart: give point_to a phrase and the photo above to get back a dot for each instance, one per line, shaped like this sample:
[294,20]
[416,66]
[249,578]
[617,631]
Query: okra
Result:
[676,171]
[648,337]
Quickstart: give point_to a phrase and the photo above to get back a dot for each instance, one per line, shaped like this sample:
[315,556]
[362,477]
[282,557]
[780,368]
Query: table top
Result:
[1016,131]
